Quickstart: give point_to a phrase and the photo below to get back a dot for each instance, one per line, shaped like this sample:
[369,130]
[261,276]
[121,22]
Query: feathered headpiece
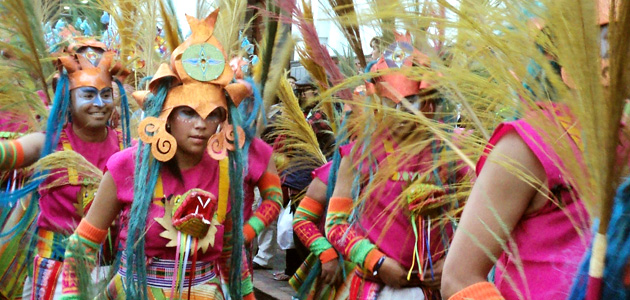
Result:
[200,77]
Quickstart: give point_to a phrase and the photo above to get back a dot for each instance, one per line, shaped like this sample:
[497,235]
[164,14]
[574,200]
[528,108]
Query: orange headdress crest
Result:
[400,54]
[95,69]
[200,77]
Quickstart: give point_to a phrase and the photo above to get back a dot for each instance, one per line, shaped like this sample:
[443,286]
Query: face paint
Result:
[189,115]
[90,95]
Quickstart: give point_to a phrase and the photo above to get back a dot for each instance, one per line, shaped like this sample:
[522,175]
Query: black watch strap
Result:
[378,265]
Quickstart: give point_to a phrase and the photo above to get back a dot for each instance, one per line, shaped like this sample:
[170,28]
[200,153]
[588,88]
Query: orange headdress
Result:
[400,54]
[95,69]
[200,77]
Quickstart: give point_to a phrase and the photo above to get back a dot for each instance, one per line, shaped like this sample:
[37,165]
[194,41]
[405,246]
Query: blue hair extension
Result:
[124,114]
[617,252]
[56,120]
[249,121]
[236,193]
[144,80]
[580,282]
[31,211]
[146,174]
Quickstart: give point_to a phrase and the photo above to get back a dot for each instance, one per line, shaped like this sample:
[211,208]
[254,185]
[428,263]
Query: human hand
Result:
[330,272]
[392,273]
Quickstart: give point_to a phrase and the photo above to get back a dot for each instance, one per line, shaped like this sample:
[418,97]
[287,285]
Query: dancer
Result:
[527,206]
[82,111]
[186,188]
[381,241]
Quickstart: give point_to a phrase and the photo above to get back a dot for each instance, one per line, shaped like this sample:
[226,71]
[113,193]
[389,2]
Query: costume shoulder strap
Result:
[73,175]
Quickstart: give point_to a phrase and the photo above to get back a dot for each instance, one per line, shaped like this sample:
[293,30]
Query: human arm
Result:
[84,243]
[308,213]
[269,209]
[498,200]
[21,152]
[347,240]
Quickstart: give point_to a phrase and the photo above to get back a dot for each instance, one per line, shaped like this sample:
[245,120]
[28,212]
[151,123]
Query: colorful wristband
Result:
[11,155]
[340,204]
[372,258]
[91,233]
[269,186]
[328,255]
[248,233]
[478,291]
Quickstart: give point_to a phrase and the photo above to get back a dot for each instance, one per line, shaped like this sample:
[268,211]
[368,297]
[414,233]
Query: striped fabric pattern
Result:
[46,272]
[344,237]
[208,290]
[269,209]
[160,272]
[304,225]
[51,244]
[247,283]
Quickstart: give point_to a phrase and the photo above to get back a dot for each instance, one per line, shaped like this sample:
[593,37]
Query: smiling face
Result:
[91,107]
[191,131]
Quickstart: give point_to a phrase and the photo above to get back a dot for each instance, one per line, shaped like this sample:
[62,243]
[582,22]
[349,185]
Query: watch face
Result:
[203,62]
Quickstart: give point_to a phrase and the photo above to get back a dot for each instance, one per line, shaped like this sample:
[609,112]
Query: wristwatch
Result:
[378,265]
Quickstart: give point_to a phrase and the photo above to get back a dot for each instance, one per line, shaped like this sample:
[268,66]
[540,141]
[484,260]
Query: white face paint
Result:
[90,95]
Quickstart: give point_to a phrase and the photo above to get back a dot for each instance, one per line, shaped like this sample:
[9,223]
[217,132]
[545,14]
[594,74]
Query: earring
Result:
[168,126]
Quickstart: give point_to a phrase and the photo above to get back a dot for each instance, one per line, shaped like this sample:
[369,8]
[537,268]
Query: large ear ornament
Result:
[217,146]
[153,131]
[229,136]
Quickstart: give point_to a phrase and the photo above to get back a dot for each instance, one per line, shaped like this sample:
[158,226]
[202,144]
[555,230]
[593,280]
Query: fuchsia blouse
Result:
[257,161]
[205,176]
[549,245]
[383,221]
[59,210]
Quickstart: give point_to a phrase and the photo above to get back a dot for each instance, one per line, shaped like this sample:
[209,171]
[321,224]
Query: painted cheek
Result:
[107,99]
[81,101]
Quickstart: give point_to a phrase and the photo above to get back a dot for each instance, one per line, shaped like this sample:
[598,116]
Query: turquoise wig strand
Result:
[145,178]
[237,163]
[56,120]
[124,114]
[617,252]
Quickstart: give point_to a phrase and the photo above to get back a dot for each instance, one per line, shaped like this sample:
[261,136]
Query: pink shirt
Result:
[549,246]
[205,176]
[322,172]
[384,223]
[58,206]
[257,161]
